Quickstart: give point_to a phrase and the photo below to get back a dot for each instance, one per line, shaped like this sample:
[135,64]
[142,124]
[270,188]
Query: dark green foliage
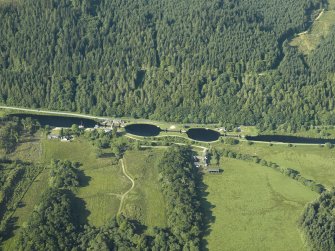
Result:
[318,223]
[231,141]
[9,136]
[167,60]
[178,178]
[12,129]
[51,225]
[63,174]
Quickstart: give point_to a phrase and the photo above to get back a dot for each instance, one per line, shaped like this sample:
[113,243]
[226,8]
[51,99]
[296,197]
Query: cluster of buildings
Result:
[200,161]
[113,123]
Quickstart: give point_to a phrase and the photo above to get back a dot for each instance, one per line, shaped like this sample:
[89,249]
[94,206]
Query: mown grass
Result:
[307,42]
[145,202]
[254,208]
[313,162]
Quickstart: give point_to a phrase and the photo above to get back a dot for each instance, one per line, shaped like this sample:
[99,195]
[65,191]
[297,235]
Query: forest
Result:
[318,222]
[196,61]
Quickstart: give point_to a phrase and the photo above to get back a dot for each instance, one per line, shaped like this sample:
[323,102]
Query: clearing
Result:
[307,41]
[145,202]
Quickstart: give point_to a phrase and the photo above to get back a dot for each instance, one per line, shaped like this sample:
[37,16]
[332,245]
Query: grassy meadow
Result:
[313,162]
[308,41]
[254,208]
[145,202]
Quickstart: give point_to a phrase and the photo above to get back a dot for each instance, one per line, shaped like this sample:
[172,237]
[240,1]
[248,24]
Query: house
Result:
[64,139]
[53,136]
[213,170]
[118,123]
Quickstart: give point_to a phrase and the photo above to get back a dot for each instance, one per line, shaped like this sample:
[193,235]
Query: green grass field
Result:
[145,202]
[102,178]
[254,208]
[30,200]
[313,162]
[306,42]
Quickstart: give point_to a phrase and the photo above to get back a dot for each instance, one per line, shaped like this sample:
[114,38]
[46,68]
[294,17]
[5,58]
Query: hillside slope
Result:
[189,61]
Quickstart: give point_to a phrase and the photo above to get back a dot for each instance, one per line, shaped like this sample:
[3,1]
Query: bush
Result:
[231,141]
[256,160]
[318,188]
[250,143]
[329,145]
[231,155]
[263,162]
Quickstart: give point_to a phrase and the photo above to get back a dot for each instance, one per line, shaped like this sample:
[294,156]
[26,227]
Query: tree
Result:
[75,129]
[329,145]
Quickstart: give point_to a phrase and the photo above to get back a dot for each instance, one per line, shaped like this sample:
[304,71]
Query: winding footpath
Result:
[123,196]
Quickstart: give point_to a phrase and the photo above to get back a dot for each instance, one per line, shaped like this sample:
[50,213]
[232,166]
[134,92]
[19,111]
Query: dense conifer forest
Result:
[222,61]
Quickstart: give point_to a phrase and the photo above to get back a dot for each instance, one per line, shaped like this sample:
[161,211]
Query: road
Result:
[52,112]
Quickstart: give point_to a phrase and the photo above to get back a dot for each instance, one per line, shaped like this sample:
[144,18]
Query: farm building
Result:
[53,136]
[213,170]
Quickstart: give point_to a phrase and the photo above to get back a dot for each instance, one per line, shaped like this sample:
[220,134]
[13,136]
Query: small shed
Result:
[53,136]
[213,170]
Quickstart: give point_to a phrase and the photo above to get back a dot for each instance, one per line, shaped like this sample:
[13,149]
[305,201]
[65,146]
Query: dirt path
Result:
[320,15]
[123,196]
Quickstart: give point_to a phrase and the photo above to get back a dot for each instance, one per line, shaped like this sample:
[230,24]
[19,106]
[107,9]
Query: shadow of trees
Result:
[206,209]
